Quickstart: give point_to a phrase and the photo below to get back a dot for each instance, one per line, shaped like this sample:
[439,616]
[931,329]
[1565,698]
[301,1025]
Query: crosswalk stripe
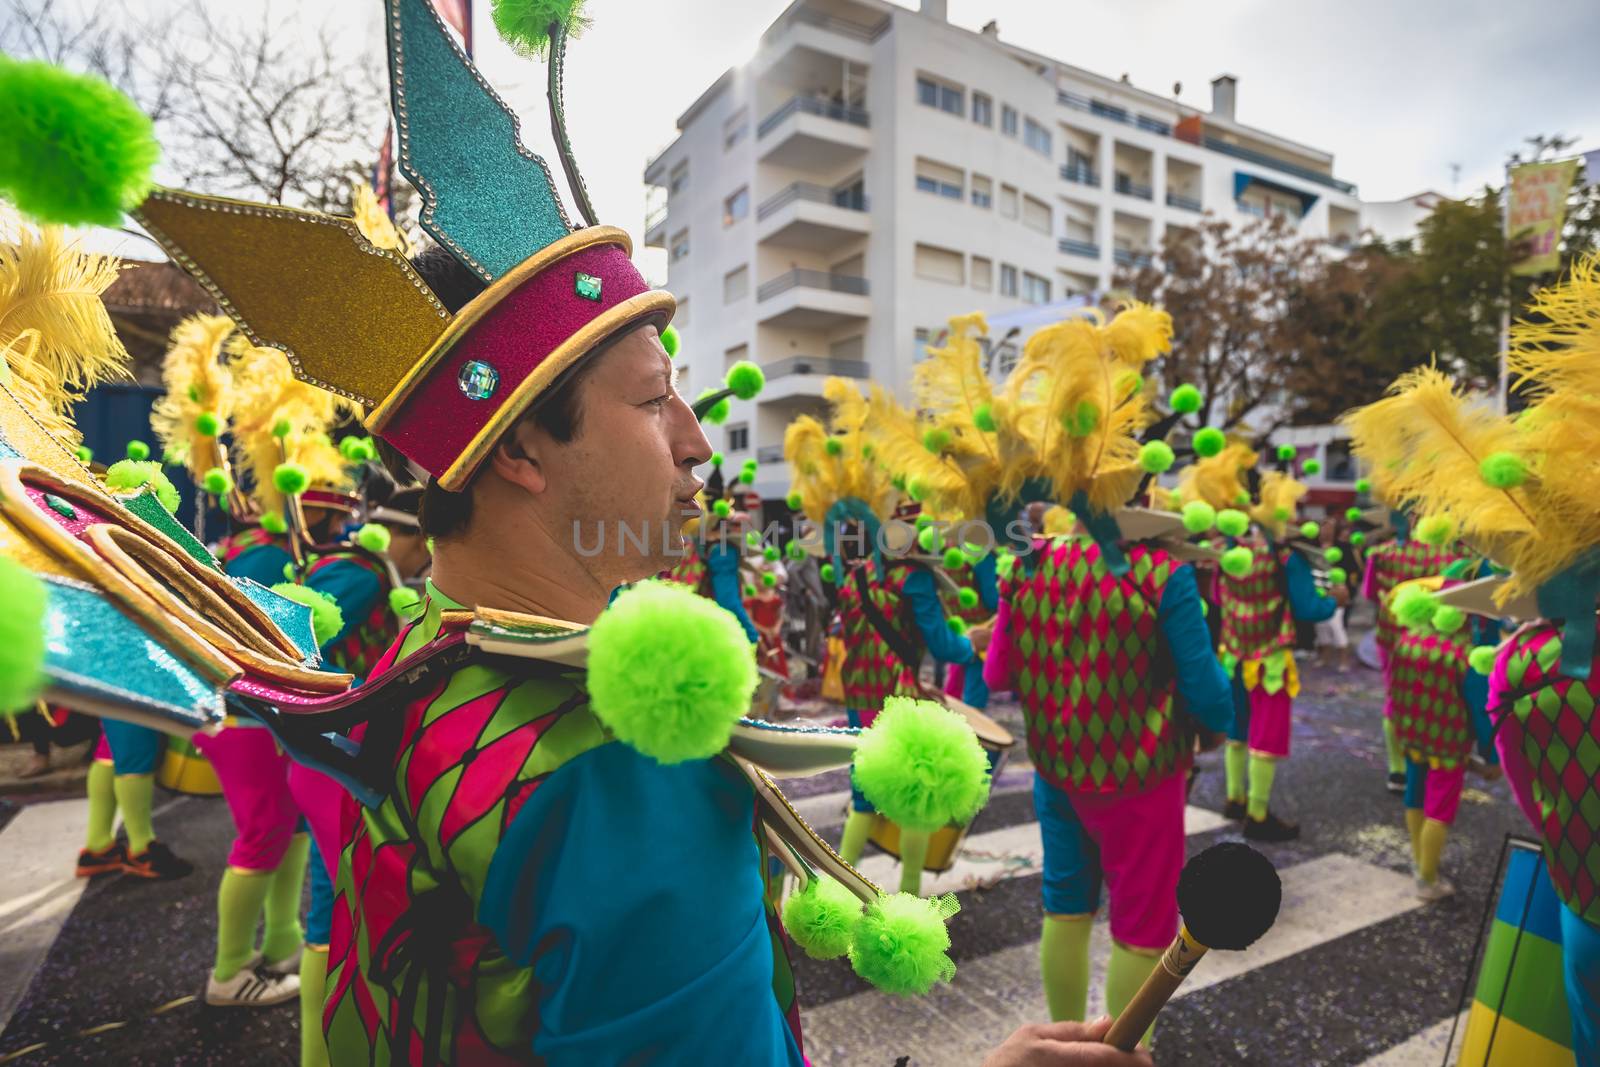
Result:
[1425,1048]
[40,843]
[1323,899]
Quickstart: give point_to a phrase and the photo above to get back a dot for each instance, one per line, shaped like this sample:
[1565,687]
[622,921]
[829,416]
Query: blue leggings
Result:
[1580,954]
[1240,730]
[134,749]
[319,916]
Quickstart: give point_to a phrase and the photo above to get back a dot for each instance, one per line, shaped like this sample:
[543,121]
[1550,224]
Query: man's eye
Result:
[661,400]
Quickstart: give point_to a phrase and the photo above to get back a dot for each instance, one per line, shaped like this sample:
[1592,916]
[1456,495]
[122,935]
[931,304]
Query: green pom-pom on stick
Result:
[1208,441]
[1282,514]
[1287,453]
[524,25]
[827,572]
[1414,607]
[1084,419]
[822,918]
[901,944]
[1232,523]
[794,501]
[916,490]
[85,455]
[1503,470]
[1237,561]
[957,624]
[206,424]
[1338,576]
[22,635]
[1156,457]
[833,446]
[282,428]
[1358,539]
[1353,514]
[1198,516]
[954,558]
[1436,530]
[290,479]
[935,439]
[795,551]
[747,476]
[746,379]
[1447,618]
[983,418]
[920,764]
[1312,466]
[131,474]
[405,602]
[967,597]
[752,538]
[216,482]
[1185,400]
[721,508]
[274,523]
[326,618]
[769,580]
[138,451]
[771,553]
[1310,530]
[928,539]
[1363,486]
[1481,659]
[670,340]
[374,537]
[716,459]
[749,590]
[1333,554]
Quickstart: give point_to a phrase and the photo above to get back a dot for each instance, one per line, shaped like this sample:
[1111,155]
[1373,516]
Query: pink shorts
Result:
[1388,685]
[1269,722]
[955,679]
[102,749]
[318,797]
[255,782]
[1441,793]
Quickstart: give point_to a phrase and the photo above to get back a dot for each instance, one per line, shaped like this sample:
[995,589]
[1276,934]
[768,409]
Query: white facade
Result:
[874,170]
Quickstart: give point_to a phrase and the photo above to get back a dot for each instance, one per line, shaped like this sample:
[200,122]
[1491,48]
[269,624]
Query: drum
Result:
[184,770]
[1519,1012]
[945,845]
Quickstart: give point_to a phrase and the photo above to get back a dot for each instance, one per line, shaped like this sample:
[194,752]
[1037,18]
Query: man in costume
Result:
[1108,720]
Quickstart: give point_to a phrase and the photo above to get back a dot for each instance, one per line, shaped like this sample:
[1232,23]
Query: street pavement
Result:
[1356,970]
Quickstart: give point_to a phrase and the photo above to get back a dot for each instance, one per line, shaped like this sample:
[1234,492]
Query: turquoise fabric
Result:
[1203,687]
[263,564]
[134,749]
[353,587]
[722,560]
[1306,602]
[945,644]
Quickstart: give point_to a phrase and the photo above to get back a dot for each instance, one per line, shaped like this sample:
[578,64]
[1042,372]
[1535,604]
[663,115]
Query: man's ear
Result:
[516,459]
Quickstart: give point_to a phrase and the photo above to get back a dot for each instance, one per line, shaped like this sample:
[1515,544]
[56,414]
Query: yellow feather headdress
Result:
[1278,503]
[375,224]
[830,464]
[198,383]
[280,419]
[1218,480]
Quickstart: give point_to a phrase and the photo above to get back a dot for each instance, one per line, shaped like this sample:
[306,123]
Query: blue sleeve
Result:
[263,564]
[1475,691]
[354,587]
[723,562]
[987,579]
[944,644]
[1305,602]
[633,890]
[1202,683]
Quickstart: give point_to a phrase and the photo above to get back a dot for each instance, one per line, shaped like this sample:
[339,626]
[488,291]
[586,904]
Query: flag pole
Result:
[1505,308]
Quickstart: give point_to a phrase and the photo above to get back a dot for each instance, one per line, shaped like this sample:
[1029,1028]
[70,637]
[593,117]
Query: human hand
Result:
[979,635]
[1064,1045]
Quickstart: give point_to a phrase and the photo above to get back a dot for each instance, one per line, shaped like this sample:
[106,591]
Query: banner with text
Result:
[1537,209]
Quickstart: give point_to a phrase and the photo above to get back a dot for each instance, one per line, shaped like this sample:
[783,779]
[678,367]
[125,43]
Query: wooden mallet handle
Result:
[1136,1019]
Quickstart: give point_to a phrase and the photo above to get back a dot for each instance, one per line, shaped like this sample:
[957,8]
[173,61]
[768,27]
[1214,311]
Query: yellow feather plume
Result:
[198,382]
[51,290]
[1217,480]
[829,466]
[268,397]
[375,224]
[1278,504]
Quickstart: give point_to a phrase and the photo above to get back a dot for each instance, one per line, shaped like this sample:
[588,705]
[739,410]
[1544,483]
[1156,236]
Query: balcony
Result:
[1078,172]
[1128,187]
[1184,202]
[805,30]
[655,228]
[1073,247]
[1261,158]
[1127,257]
[801,377]
[812,300]
[812,217]
[810,133]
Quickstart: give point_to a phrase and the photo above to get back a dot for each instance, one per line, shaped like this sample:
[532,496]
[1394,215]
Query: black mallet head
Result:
[1229,896]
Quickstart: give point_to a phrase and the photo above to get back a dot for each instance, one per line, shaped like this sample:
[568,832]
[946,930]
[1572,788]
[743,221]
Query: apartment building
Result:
[874,169]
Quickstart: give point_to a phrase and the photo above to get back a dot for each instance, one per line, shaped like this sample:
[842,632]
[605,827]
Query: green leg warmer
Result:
[135,792]
[102,807]
[287,885]
[1414,827]
[1124,975]
[1430,846]
[913,853]
[1234,756]
[240,897]
[313,983]
[1391,749]
[1262,770]
[857,825]
[1064,964]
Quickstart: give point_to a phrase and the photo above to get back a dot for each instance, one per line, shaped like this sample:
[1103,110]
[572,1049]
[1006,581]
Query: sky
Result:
[1398,90]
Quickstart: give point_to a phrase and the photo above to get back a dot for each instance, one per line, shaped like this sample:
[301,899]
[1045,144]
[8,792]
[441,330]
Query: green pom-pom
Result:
[1242,498]
[866,450]
[670,672]
[1204,542]
[833,446]
[288,571]
[794,501]
[216,482]
[1414,607]
[826,570]
[326,618]
[669,341]
[1333,554]
[1084,419]
[747,476]
[1503,470]
[22,635]
[901,945]
[974,553]
[290,478]
[721,508]
[85,455]
[351,449]
[770,580]
[795,551]
[1353,514]
[920,764]
[1185,400]
[716,459]
[749,590]
[1363,486]
[752,538]
[282,428]
[719,412]
[374,537]
[916,490]
[749,465]
[1129,383]
[1481,659]
[771,553]
[1358,539]
[77,151]
[983,418]
[746,379]
[138,451]
[130,474]
[1447,618]
[1208,441]
[524,25]
[1281,514]
[1312,466]
[822,918]
[274,523]
[935,439]
[1198,516]
[1310,530]
[967,597]
[206,424]
[1156,457]
[922,522]
[1232,523]
[1436,530]
[1338,576]
[405,602]
[954,558]
[1287,453]
[957,624]
[1237,561]
[928,539]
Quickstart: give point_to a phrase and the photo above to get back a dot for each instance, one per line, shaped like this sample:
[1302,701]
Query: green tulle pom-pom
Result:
[833,446]
[405,602]
[290,478]
[1198,516]
[216,482]
[749,590]
[957,625]
[983,418]
[669,341]
[822,918]
[721,507]
[76,151]
[274,523]
[206,424]
[1338,576]
[922,522]
[1447,618]
[769,580]
[954,558]
[670,672]
[716,459]
[1287,453]
[794,501]
[22,635]
[1310,530]
[1237,561]
[374,537]
[746,379]
[916,490]
[326,618]
[1481,659]
[967,597]
[1333,554]
[1436,530]
[1281,514]
[130,474]
[1353,514]
[282,428]
[1358,539]
[85,455]
[1156,457]
[920,764]
[827,572]
[138,451]
[752,538]
[747,476]
[795,551]
[1503,470]
[1208,441]
[1232,523]
[771,553]
[935,439]
[1363,486]
[1414,607]
[901,945]
[524,25]
[1312,466]
[288,571]
[1082,420]
[719,412]
[1185,399]
[928,539]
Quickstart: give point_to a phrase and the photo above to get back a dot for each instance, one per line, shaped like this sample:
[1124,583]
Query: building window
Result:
[1006,359]
[1008,120]
[739,437]
[735,129]
[1036,137]
[919,345]
[982,273]
[734,355]
[940,264]
[679,179]
[736,206]
[736,284]
[1008,280]
[1035,290]
[1008,201]
[679,245]
[982,109]
[939,179]
[981,191]
[1036,214]
[941,95]
[680,318]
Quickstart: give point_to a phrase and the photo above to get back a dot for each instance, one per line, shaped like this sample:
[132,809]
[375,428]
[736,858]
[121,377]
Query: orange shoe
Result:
[157,863]
[106,861]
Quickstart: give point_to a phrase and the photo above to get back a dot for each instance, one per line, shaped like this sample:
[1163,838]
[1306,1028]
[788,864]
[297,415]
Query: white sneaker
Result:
[290,964]
[252,987]
[1428,892]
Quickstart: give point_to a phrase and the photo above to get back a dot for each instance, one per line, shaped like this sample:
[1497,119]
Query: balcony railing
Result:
[812,279]
[1077,172]
[655,218]
[825,365]
[1127,257]
[1074,247]
[769,454]
[1128,187]
[843,27]
[810,105]
[850,199]
[1252,156]
[1187,203]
